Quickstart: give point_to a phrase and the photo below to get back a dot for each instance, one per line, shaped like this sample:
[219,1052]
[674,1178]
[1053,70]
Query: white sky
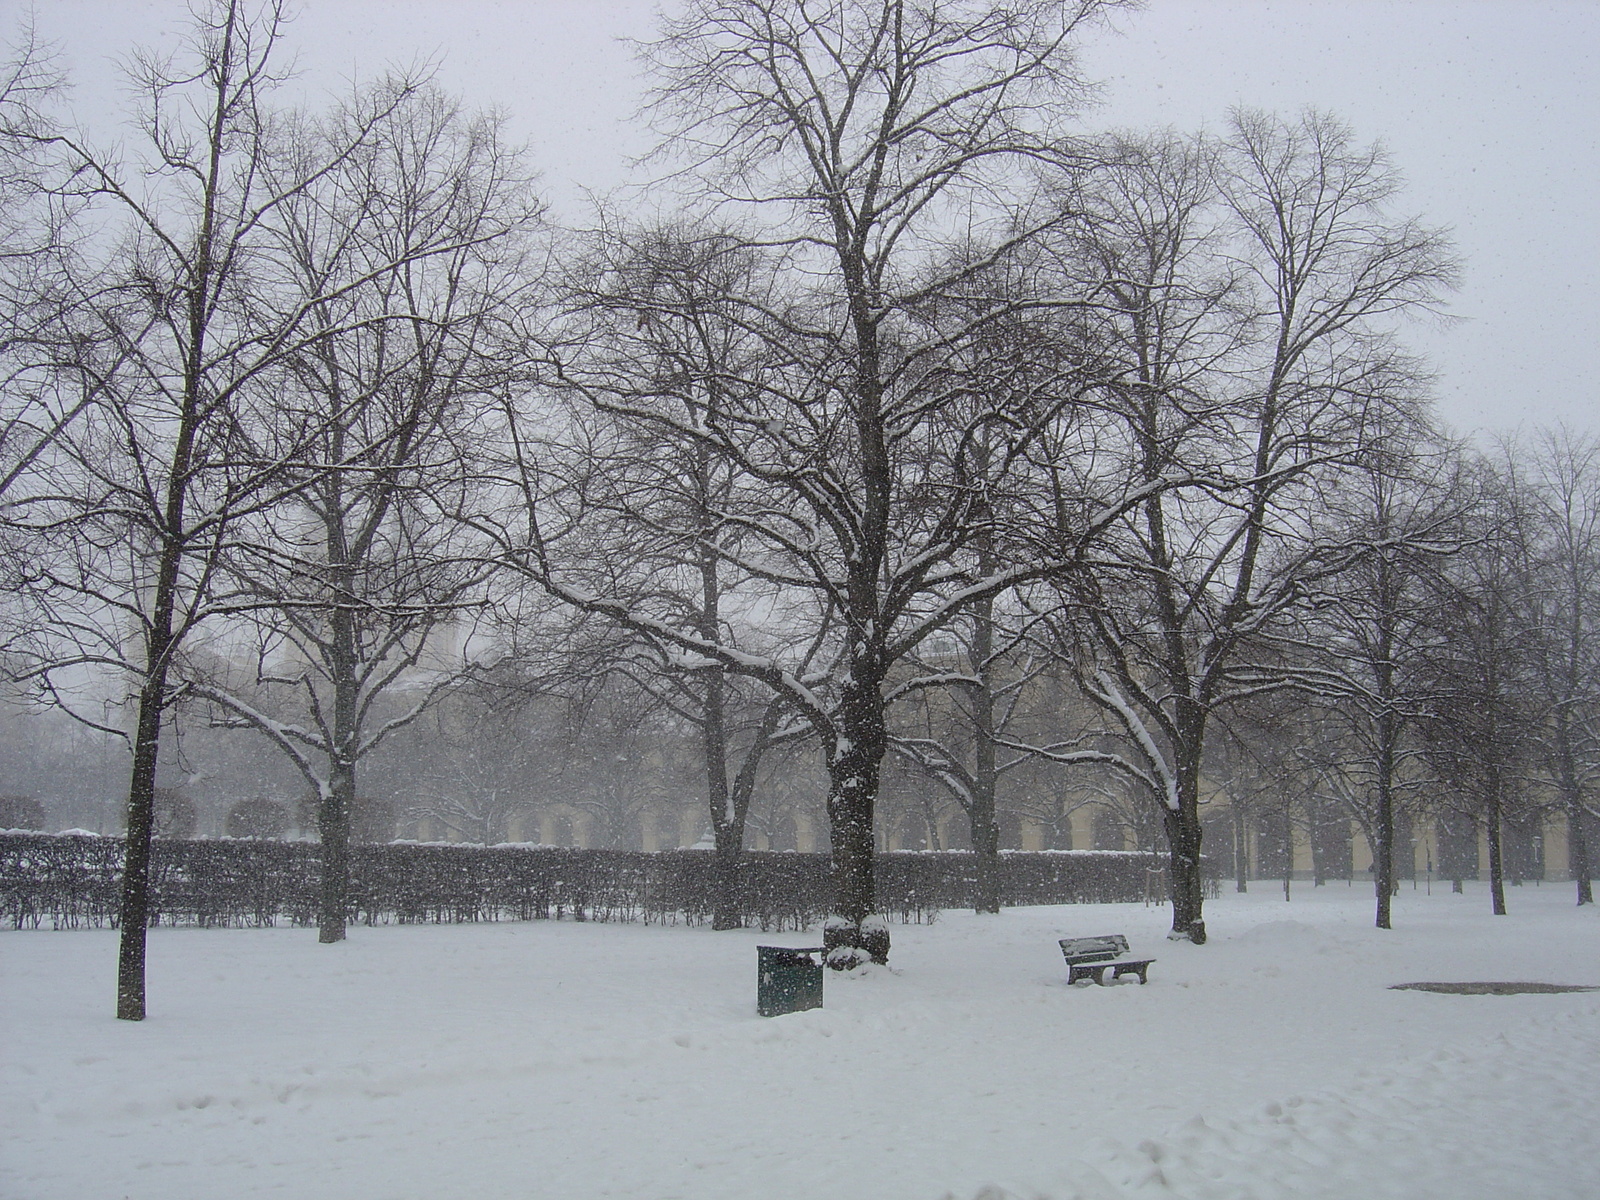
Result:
[1490,107]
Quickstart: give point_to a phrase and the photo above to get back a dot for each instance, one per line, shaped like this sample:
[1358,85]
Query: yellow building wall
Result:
[805,835]
[1557,854]
[1032,835]
[1083,828]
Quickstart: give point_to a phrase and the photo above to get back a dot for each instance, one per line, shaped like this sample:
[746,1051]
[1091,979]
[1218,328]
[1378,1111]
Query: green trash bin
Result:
[787,979]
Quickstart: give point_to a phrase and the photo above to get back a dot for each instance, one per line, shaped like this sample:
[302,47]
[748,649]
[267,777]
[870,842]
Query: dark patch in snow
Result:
[1491,989]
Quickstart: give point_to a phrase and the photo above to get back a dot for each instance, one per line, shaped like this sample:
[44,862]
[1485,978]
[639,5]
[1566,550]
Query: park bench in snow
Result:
[1092,957]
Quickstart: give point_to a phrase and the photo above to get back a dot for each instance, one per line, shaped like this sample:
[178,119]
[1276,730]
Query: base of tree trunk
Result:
[725,913]
[847,945]
[1194,931]
[130,962]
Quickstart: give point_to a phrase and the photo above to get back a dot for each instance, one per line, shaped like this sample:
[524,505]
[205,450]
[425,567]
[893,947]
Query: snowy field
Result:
[576,1061]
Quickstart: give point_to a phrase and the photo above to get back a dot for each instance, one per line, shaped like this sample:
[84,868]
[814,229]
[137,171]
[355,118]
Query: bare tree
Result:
[1557,473]
[196,317]
[509,740]
[415,250]
[476,774]
[665,517]
[1258,763]
[1251,288]
[855,134]
[985,705]
[1374,632]
[1484,717]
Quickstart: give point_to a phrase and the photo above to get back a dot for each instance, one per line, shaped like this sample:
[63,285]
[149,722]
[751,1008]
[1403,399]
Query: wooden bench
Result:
[1092,957]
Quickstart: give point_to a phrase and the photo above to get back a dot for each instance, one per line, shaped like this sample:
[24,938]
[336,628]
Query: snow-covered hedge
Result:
[68,880]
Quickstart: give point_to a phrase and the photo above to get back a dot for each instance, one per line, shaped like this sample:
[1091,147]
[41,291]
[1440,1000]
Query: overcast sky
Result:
[1490,107]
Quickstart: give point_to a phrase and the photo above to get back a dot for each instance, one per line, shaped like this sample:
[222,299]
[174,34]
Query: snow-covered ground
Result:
[563,1060]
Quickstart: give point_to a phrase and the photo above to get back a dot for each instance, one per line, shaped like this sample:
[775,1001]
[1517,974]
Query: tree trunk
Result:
[1183,828]
[1288,852]
[1497,882]
[135,914]
[333,828]
[1383,852]
[1241,852]
[853,934]
[338,800]
[727,871]
[730,833]
[1183,842]
[1572,801]
[1389,589]
[134,918]
[344,656]
[727,832]
[985,829]
[1578,851]
[986,854]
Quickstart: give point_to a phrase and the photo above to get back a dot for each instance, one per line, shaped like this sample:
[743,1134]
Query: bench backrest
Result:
[1094,949]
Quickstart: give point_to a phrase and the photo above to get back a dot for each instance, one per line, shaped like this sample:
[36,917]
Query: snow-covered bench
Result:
[1092,957]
